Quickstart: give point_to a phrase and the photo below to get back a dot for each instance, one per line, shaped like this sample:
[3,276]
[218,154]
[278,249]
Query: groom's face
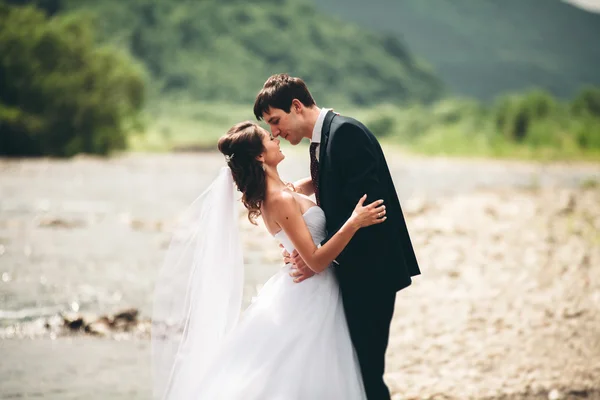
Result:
[286,125]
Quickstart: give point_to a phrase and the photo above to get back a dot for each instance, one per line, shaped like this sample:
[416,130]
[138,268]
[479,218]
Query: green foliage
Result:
[223,51]
[61,93]
[383,123]
[51,7]
[529,125]
[450,126]
[514,115]
[587,102]
[180,124]
[587,131]
[484,48]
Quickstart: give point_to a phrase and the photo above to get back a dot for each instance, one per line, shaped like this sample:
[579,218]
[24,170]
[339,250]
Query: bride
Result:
[292,342]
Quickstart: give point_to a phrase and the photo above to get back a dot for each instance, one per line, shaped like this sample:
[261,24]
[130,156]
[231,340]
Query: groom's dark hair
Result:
[279,91]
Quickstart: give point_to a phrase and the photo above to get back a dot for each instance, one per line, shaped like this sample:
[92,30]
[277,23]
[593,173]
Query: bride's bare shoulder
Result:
[275,198]
[278,201]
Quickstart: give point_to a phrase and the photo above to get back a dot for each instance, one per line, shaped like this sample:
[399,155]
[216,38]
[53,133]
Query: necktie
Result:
[314,170]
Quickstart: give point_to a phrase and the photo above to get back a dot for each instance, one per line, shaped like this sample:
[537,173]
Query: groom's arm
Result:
[356,157]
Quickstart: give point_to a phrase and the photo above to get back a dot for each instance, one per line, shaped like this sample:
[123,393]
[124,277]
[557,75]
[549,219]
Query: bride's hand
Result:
[371,214]
[291,186]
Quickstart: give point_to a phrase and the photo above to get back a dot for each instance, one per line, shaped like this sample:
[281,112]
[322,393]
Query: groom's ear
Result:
[296,106]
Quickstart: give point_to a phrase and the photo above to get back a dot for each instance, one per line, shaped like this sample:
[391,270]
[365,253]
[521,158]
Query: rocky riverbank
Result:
[507,307]
[509,301]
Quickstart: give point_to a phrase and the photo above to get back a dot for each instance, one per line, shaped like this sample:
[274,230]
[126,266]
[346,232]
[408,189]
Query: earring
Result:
[264,167]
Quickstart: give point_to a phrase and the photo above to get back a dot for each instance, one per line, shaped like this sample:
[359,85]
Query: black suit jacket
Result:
[351,164]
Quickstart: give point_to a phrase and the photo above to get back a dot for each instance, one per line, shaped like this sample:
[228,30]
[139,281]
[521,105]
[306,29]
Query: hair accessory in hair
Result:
[228,158]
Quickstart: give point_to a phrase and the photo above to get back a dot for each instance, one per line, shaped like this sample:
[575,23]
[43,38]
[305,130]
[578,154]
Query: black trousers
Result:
[369,314]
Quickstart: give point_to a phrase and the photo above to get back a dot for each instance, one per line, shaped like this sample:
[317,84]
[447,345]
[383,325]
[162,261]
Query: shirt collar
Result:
[316,134]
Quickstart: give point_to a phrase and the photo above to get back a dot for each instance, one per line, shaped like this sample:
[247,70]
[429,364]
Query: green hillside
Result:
[77,80]
[483,48]
[224,50]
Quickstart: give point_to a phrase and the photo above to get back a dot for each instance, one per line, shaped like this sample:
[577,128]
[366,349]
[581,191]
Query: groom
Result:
[347,162]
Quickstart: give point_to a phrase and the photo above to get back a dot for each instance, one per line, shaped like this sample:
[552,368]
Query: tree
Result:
[61,93]
[587,102]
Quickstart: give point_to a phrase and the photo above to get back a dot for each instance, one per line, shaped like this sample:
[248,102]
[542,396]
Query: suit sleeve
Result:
[355,157]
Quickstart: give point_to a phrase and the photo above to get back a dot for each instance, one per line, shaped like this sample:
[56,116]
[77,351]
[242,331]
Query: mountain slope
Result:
[224,50]
[485,47]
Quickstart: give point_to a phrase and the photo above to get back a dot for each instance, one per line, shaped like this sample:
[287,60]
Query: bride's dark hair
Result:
[241,145]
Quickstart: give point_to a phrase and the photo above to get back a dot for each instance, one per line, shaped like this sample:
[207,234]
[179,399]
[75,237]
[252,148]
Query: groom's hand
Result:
[300,271]
[287,259]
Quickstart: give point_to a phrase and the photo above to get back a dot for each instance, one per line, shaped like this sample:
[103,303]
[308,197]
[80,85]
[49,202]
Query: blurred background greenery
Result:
[518,78]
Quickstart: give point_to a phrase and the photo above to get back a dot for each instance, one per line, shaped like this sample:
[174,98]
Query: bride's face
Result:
[272,154]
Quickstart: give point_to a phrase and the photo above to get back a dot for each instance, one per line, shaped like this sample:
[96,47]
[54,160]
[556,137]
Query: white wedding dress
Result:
[292,343]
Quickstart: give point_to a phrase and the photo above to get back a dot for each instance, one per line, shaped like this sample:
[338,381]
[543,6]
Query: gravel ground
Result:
[507,306]
[509,301]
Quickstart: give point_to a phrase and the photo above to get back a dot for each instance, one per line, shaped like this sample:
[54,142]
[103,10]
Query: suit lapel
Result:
[323,149]
[325,134]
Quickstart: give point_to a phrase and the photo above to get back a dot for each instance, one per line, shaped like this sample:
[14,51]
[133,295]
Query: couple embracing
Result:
[319,328]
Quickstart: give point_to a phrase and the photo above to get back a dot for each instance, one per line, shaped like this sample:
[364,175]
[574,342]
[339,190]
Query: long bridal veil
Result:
[198,294]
